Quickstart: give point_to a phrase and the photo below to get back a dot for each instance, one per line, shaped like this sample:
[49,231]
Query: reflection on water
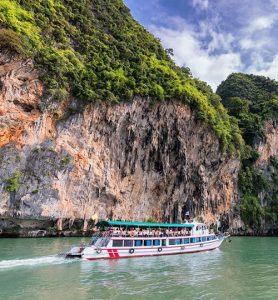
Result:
[243,269]
[162,276]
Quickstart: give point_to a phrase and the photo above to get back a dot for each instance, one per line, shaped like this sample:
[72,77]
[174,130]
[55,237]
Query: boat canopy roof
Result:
[144,224]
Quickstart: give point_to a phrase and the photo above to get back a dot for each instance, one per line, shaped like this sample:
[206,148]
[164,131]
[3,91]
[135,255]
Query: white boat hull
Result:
[94,253]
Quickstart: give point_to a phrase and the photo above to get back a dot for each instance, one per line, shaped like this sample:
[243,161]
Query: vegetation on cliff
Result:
[95,50]
[12,183]
[252,100]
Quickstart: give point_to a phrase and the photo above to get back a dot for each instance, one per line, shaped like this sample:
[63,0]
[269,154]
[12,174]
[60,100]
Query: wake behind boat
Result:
[120,239]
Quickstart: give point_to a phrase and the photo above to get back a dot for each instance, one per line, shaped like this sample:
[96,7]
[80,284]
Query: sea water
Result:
[245,268]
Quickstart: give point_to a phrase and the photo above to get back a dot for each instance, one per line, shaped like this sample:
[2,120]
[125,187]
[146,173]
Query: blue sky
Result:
[215,37]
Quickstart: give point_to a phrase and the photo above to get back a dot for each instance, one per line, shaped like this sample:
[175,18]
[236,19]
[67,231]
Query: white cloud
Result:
[272,69]
[188,51]
[203,4]
[227,36]
[261,23]
[213,53]
[247,43]
[218,40]
[260,67]
[274,3]
[253,43]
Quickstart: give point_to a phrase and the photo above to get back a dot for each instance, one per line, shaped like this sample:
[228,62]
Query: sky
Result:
[215,38]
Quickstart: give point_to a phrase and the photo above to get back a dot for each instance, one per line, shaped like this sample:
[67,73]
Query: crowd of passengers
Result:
[136,232]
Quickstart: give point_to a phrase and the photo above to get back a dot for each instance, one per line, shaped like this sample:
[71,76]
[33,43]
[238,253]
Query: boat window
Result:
[186,241]
[204,239]
[172,241]
[156,242]
[178,241]
[192,240]
[128,243]
[117,243]
[138,243]
[197,240]
[163,243]
[147,242]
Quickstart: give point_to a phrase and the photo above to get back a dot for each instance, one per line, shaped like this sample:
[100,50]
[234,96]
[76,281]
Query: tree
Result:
[170,51]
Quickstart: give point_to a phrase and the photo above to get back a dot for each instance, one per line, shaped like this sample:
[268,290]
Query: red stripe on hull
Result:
[116,254]
[110,253]
[160,254]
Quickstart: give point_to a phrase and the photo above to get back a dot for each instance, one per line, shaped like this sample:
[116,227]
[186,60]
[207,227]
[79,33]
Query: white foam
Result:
[44,260]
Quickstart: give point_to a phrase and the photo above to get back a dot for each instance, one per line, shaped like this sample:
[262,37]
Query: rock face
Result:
[267,165]
[270,146]
[130,161]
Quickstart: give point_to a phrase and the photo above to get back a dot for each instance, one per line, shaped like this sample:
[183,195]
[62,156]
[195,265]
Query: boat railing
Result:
[110,234]
[148,235]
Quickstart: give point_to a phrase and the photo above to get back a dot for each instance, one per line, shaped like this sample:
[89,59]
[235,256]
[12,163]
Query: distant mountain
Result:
[253,101]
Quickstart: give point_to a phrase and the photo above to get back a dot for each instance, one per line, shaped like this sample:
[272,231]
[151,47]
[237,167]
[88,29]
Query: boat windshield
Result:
[93,240]
[102,242]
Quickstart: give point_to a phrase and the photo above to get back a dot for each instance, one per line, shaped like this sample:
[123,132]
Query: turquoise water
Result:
[246,268]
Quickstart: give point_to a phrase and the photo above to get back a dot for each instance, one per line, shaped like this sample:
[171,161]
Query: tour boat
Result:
[121,239]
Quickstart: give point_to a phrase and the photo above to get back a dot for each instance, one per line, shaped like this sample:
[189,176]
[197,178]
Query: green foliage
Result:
[65,161]
[11,40]
[58,94]
[237,106]
[251,99]
[258,90]
[273,161]
[252,127]
[96,51]
[251,211]
[151,220]
[17,19]
[252,183]
[13,183]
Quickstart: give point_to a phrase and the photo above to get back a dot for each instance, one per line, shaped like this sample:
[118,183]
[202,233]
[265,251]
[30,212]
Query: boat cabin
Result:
[118,234]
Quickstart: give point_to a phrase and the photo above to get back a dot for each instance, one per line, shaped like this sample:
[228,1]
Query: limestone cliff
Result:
[270,146]
[253,101]
[267,166]
[134,160]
